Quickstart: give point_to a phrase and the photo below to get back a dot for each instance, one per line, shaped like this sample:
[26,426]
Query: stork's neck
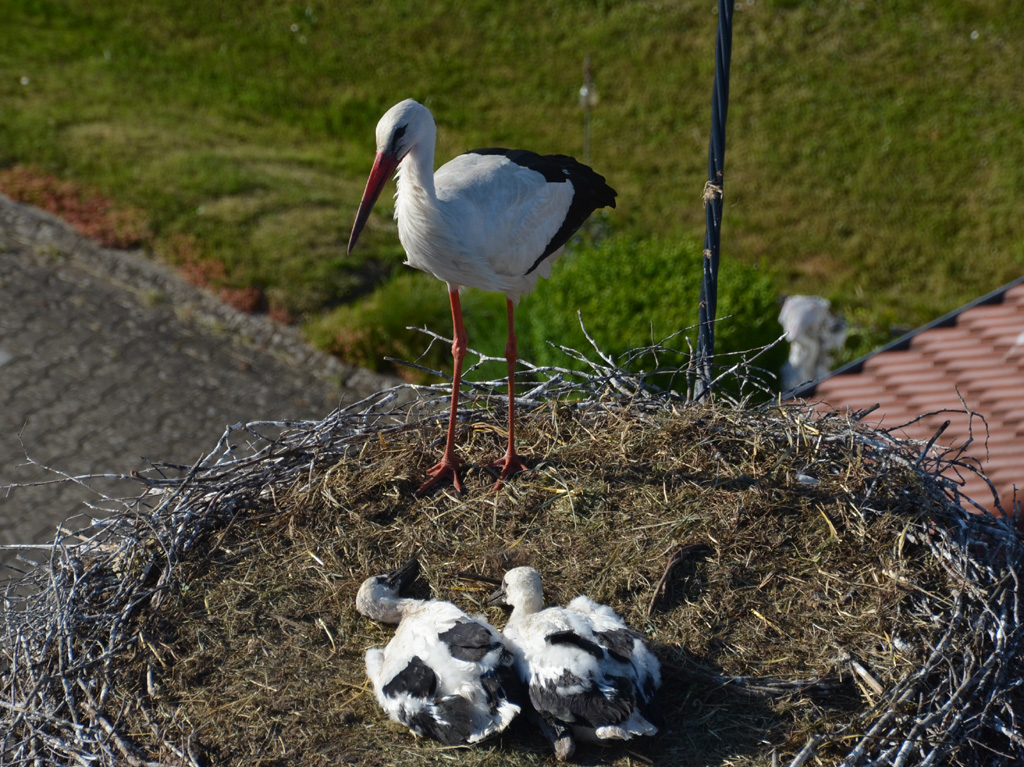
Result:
[524,605]
[380,604]
[416,170]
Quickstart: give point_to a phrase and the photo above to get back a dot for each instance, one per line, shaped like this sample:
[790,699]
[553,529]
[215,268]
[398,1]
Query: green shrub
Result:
[632,293]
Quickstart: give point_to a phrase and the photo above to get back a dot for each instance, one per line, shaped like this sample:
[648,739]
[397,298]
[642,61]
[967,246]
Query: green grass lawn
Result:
[875,150]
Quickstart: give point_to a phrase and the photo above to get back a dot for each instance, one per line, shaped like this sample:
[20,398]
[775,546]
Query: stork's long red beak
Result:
[383,166]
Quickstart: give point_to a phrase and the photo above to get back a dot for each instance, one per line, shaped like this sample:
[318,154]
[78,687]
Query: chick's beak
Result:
[401,578]
[497,598]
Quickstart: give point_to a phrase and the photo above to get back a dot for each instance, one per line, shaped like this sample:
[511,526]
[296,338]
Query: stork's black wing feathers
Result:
[618,643]
[591,707]
[450,719]
[571,637]
[451,722]
[468,641]
[416,679]
[590,191]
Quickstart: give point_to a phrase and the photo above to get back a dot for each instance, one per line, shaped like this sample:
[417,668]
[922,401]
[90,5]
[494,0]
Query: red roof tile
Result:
[975,353]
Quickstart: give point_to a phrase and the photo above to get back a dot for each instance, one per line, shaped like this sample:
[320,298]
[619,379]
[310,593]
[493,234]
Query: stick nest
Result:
[810,585]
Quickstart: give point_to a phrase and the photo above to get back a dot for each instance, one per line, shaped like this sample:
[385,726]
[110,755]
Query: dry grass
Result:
[802,581]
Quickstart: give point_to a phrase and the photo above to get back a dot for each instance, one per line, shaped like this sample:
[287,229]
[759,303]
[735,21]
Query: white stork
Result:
[493,219]
[589,675]
[444,674]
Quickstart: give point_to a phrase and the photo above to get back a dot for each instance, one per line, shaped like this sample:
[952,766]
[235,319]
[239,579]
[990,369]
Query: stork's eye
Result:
[397,136]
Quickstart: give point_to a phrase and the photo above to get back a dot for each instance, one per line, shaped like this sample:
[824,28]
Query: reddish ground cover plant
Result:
[90,213]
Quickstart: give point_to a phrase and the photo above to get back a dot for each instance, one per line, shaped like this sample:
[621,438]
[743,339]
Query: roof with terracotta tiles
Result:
[969,362]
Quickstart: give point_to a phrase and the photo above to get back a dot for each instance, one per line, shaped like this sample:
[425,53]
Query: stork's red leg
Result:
[448,468]
[510,463]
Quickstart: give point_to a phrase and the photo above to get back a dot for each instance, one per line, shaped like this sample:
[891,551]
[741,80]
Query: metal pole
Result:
[713,192]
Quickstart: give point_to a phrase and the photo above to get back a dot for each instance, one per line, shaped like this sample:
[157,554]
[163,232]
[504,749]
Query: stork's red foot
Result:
[447,469]
[507,465]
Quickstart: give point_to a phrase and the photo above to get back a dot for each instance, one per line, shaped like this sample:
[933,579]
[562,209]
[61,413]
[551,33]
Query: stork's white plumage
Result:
[444,674]
[493,219]
[589,675]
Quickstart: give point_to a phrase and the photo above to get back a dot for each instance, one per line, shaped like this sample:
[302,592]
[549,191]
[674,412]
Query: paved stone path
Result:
[108,359]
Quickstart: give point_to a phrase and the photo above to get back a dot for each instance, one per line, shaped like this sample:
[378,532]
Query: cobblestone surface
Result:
[108,359]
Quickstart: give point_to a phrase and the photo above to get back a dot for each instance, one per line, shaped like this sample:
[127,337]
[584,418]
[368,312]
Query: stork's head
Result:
[522,590]
[403,127]
[379,597]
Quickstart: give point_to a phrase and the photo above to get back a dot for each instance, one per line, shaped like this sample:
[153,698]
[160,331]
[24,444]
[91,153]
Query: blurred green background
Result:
[875,153]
